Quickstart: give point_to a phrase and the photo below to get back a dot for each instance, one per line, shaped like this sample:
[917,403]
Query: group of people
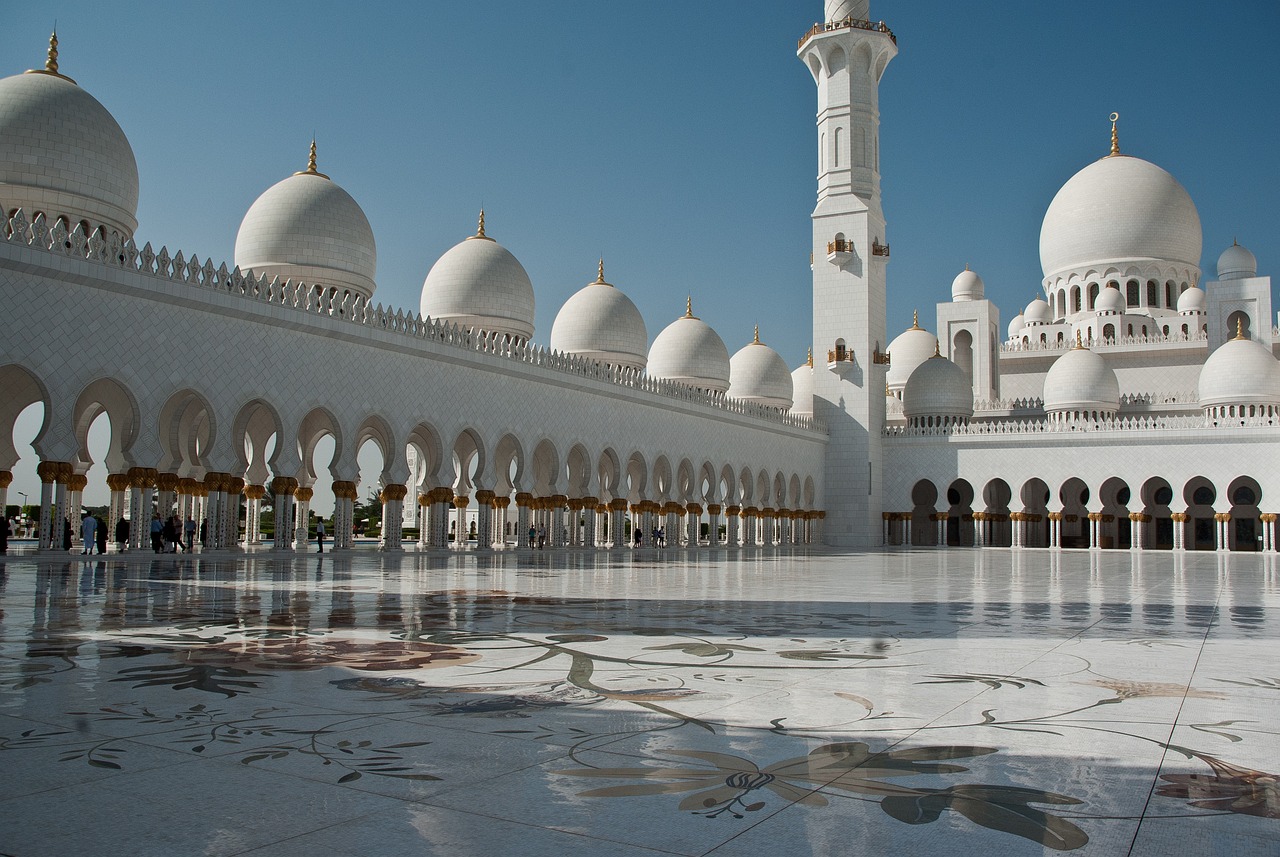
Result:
[167,535]
[538,537]
[93,533]
[658,535]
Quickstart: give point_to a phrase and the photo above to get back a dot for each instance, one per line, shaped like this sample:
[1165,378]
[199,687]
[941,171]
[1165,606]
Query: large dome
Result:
[689,351]
[1116,211]
[758,374]
[63,154]
[938,388]
[307,228]
[600,323]
[802,389]
[1081,380]
[478,284]
[1240,372]
[907,351]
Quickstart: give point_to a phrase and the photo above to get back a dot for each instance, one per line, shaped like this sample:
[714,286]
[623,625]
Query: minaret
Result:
[846,54]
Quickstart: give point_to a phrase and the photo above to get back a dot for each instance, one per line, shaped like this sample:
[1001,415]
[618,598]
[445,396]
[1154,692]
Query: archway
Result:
[924,499]
[1114,530]
[1246,522]
[1035,497]
[1156,495]
[1200,495]
[960,513]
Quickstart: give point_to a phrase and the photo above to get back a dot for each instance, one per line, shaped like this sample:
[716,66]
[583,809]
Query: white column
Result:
[484,520]
[733,516]
[282,488]
[302,516]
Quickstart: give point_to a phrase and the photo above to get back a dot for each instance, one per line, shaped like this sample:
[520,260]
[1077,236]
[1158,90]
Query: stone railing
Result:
[846,24]
[1137,423]
[352,309]
[1016,346]
[1034,404]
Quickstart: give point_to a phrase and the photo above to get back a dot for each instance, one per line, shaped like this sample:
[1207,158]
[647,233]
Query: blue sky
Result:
[676,139]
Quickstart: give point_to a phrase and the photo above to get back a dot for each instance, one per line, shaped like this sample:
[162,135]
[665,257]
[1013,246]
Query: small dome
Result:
[1016,324]
[307,228]
[479,285]
[758,374]
[1237,263]
[600,323]
[1081,380]
[967,286]
[1240,372]
[938,388]
[1192,300]
[838,10]
[802,390]
[1119,209]
[63,154]
[907,351]
[1037,312]
[1109,300]
[690,352]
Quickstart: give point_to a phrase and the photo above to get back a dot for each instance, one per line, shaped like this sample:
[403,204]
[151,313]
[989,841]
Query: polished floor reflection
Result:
[916,702]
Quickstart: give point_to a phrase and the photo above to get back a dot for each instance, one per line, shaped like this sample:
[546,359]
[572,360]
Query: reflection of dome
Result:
[802,389]
[479,285]
[1192,300]
[907,351]
[967,286]
[1016,324]
[690,352]
[1109,300]
[1037,312]
[63,154]
[1119,209]
[1081,380]
[1240,372]
[600,323]
[938,388]
[758,374]
[1237,263]
[307,228]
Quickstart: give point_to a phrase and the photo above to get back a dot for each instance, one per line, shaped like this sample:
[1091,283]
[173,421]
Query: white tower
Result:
[846,55]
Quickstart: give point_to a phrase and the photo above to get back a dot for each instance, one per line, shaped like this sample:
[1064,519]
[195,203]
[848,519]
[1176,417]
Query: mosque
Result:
[1126,408]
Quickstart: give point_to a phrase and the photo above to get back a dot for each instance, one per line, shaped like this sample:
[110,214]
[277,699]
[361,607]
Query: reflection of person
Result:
[320,534]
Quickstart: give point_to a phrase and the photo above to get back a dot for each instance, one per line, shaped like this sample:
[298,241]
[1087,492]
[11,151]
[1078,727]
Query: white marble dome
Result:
[690,352]
[601,323]
[1119,210]
[1016,324]
[967,286]
[479,285]
[758,374]
[1191,300]
[907,351]
[938,388]
[1237,263]
[1081,380]
[1037,312]
[1109,300]
[63,154]
[802,389]
[1240,372]
[306,228]
[838,10]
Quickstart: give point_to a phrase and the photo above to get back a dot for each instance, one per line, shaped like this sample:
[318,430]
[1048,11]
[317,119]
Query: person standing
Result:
[4,534]
[157,532]
[320,534]
[102,538]
[66,534]
[122,534]
[88,534]
[169,535]
[189,530]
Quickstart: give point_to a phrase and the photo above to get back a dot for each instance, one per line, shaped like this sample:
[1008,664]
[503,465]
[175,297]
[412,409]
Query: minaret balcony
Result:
[841,360]
[840,252]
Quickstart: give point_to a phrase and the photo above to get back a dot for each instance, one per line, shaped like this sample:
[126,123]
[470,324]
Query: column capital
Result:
[77,482]
[733,510]
[257,492]
[281,485]
[303,493]
[167,481]
[392,493]
[118,481]
[6,478]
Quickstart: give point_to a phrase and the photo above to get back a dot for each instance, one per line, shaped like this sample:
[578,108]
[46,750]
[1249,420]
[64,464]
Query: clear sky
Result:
[675,139]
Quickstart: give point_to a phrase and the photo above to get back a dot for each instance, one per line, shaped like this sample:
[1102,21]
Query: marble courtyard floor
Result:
[922,702]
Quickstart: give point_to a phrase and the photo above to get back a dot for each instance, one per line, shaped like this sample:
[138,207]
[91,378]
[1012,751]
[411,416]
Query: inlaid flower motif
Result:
[1143,689]
[1229,789]
[301,652]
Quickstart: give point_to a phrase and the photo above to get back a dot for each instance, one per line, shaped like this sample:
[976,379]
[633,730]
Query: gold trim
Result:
[51,62]
[480,229]
[1115,139]
[311,164]
[600,274]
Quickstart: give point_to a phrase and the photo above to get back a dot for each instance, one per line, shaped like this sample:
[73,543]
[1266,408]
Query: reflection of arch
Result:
[186,431]
[1245,529]
[316,425]
[21,390]
[924,499]
[1156,494]
[509,466]
[960,507]
[1200,496]
[468,461]
[108,396]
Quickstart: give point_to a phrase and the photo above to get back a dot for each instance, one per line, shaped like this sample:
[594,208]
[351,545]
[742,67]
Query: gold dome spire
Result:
[1240,329]
[756,341]
[937,347]
[51,62]
[480,229]
[311,163]
[1079,343]
[688,307]
[600,274]
[1115,139]
[809,363]
[915,319]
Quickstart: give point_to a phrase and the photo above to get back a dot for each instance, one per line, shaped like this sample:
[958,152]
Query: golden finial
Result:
[756,341]
[480,229]
[600,274]
[1240,328]
[1079,343]
[51,63]
[937,347]
[915,319]
[311,163]
[966,266]
[809,362]
[1115,139]
[688,307]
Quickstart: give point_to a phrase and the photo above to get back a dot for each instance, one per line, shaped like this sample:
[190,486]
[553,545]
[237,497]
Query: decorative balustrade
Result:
[846,24]
[1137,423]
[111,250]
[1015,346]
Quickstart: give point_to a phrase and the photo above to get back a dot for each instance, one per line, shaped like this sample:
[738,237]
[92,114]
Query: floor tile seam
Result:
[1177,717]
